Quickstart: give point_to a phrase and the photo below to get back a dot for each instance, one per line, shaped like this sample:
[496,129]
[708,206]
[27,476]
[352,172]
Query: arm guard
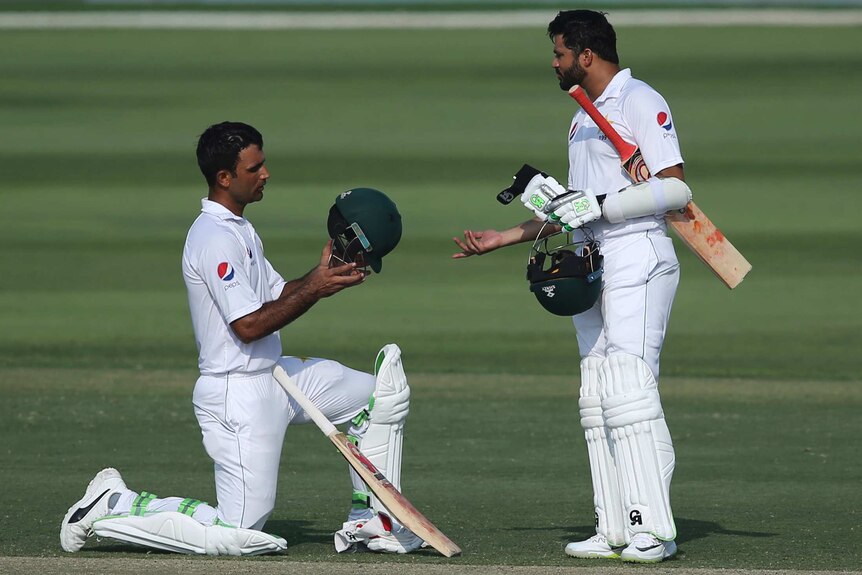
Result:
[655,196]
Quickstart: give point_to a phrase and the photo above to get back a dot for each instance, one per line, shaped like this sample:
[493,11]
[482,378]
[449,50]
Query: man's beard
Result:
[571,77]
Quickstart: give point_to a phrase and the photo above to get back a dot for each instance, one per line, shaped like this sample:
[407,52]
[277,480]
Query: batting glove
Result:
[539,193]
[574,209]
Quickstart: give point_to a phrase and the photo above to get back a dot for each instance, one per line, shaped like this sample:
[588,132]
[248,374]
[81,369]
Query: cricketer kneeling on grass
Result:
[621,329]
[238,303]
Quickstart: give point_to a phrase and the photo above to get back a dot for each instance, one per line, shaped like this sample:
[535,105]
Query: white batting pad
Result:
[382,441]
[179,533]
[606,491]
[641,444]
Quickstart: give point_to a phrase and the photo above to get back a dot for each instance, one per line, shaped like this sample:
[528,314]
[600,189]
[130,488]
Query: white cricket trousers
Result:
[243,419]
[631,315]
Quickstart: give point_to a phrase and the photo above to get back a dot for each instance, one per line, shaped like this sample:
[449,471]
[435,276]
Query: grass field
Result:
[761,385]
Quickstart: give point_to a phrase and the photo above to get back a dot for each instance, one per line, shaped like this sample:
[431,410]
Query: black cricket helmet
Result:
[365,226]
[565,275]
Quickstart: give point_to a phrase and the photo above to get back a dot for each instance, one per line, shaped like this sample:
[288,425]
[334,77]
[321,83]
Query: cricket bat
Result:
[394,501]
[691,225]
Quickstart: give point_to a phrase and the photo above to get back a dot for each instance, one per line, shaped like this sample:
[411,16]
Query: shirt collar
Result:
[218,210]
[613,89]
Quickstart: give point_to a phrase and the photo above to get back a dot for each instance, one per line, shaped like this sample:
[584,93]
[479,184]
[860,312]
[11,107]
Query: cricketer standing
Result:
[238,303]
[621,335]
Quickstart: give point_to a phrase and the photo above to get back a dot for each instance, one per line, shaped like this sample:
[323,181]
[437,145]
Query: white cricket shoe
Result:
[78,523]
[379,533]
[646,548]
[596,547]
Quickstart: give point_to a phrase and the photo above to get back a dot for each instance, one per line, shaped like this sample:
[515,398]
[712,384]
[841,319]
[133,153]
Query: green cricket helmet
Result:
[565,275]
[365,226]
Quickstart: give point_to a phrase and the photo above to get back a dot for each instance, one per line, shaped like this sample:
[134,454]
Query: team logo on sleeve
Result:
[225,271]
[664,121]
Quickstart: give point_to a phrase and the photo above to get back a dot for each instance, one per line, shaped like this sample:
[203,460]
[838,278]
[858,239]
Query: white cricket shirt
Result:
[642,117]
[227,277]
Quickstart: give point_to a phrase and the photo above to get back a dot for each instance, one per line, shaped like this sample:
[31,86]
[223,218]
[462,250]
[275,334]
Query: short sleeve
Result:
[223,267]
[276,282]
[649,118]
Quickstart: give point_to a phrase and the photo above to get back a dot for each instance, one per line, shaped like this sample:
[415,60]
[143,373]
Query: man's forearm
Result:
[291,286]
[529,231]
[673,172]
[296,298]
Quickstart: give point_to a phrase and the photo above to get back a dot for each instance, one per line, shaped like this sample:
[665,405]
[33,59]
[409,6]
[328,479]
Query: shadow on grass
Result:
[691,529]
[577,533]
[298,532]
[110,547]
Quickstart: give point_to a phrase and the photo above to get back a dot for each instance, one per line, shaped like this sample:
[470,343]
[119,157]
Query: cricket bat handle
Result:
[293,390]
[630,155]
[623,148]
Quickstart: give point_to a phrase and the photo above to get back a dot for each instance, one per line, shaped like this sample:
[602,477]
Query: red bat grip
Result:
[624,149]
[632,159]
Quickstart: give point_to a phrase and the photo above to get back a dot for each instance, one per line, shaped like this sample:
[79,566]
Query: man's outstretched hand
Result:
[476,243]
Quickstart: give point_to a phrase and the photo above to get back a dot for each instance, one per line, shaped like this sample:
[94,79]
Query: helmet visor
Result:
[349,243]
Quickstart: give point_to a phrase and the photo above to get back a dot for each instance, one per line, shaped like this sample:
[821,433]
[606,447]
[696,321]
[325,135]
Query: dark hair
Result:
[582,29]
[220,145]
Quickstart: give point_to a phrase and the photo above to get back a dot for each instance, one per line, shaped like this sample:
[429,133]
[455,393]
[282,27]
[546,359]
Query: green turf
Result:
[767,474]
[100,187]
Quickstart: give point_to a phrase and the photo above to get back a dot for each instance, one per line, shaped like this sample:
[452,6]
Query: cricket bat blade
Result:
[392,499]
[708,243]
